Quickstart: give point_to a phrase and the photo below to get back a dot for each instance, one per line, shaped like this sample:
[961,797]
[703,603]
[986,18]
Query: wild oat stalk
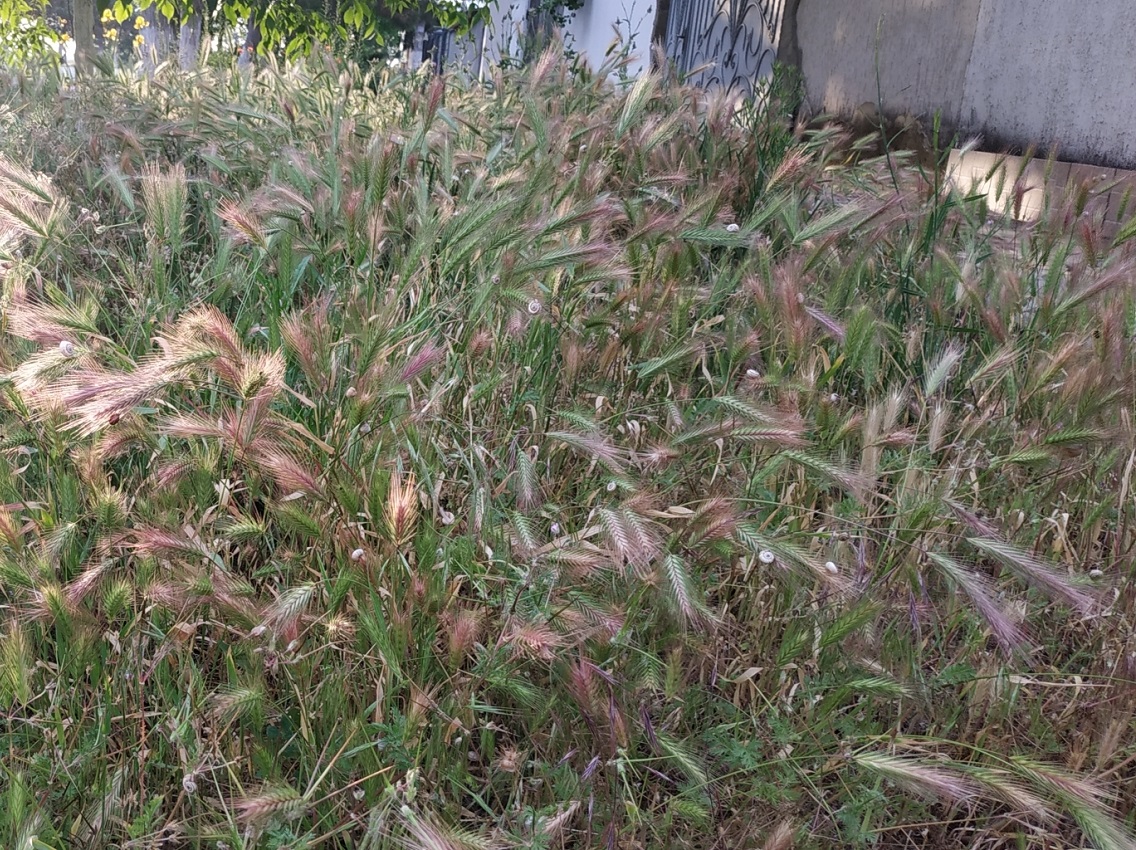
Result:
[545,461]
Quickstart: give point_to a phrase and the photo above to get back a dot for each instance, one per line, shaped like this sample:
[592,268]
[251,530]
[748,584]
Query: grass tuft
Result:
[546,462]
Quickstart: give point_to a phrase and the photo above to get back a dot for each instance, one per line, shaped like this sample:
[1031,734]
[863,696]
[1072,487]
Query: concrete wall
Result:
[1023,188]
[1056,73]
[923,49]
[1058,76]
[1019,72]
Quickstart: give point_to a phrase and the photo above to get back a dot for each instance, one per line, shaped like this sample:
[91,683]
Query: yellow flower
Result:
[139,40]
[140,23]
[65,38]
[107,16]
[111,34]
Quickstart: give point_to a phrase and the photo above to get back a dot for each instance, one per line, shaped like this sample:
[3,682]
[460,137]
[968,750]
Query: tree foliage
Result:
[292,27]
[26,28]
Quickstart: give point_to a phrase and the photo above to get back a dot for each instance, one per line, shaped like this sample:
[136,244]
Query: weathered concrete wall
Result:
[1020,73]
[1056,74]
[923,49]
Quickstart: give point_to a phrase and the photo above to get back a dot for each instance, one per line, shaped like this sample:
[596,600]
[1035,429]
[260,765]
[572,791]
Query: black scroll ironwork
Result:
[724,44]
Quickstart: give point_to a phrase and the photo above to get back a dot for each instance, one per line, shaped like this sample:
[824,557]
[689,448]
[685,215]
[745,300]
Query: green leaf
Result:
[650,368]
[1034,454]
[716,237]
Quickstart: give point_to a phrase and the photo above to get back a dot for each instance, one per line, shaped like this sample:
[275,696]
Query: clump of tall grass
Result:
[419,464]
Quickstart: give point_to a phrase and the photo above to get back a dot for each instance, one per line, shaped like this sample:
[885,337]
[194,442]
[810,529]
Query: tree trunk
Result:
[189,40]
[789,45]
[416,48]
[83,26]
[662,18]
[252,41]
[156,38]
[482,43]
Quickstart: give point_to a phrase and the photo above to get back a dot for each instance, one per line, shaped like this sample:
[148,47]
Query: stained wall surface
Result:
[1028,72]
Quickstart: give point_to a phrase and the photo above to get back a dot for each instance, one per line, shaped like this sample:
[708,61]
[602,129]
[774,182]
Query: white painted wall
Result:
[505,33]
[483,48]
[596,29]
[591,32]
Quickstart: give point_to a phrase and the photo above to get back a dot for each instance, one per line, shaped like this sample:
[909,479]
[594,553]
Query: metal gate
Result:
[729,44]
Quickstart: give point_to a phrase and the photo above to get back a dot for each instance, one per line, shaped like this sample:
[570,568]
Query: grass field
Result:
[547,465]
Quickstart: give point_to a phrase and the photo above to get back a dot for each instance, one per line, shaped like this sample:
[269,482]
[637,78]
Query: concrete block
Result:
[1029,181]
[1089,175]
[1121,198]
